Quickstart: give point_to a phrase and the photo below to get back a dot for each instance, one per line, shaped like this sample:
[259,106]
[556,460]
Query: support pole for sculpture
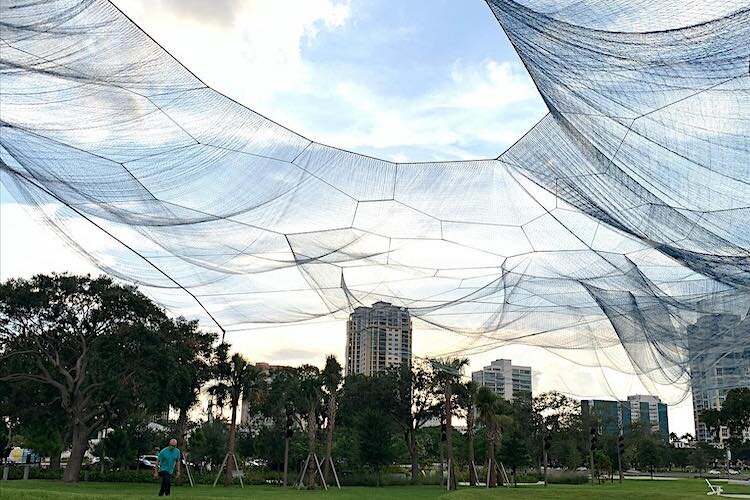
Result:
[234,472]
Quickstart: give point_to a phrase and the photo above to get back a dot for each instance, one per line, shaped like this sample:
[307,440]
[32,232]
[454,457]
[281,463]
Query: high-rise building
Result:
[719,347]
[504,378]
[612,416]
[609,416]
[651,413]
[377,338]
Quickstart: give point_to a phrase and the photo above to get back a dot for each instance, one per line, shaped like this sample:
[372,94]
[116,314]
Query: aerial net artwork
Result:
[605,234]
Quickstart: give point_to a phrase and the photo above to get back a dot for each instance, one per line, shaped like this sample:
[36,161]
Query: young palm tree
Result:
[236,378]
[310,395]
[331,381]
[491,410]
[449,372]
[467,400]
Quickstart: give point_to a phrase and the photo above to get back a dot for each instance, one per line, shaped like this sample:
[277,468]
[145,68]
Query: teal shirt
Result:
[168,459]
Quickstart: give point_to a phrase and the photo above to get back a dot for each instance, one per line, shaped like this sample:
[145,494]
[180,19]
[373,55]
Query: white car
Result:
[582,469]
[733,472]
[148,460]
[714,472]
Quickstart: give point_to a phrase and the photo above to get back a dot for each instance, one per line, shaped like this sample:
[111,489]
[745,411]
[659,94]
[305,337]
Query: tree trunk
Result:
[286,459]
[414,454]
[491,464]
[449,436]
[231,466]
[491,438]
[182,423]
[54,461]
[312,468]
[470,434]
[329,433]
[80,443]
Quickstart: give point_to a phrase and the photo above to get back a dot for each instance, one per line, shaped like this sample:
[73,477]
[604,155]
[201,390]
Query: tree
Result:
[648,454]
[236,378]
[39,418]
[331,384]
[367,410]
[44,438]
[493,413]
[309,397]
[712,417]
[207,444]
[514,451]
[602,463]
[374,430]
[96,343]
[191,352]
[281,404]
[416,404]
[467,401]
[448,372]
[702,455]
[735,413]
[119,448]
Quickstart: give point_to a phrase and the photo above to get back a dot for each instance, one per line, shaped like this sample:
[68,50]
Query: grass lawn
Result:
[630,489]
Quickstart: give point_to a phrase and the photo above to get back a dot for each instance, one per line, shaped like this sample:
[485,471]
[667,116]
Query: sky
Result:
[404,81]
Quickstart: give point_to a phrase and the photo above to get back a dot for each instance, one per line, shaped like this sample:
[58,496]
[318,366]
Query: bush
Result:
[16,472]
[528,478]
[567,478]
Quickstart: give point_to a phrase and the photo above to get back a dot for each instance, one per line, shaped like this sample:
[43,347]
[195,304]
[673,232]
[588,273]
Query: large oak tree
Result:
[97,344]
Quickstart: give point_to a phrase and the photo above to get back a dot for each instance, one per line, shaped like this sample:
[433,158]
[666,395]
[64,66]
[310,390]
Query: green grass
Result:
[630,489]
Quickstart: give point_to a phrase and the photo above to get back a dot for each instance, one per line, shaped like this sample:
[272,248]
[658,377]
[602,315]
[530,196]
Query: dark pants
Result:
[166,483]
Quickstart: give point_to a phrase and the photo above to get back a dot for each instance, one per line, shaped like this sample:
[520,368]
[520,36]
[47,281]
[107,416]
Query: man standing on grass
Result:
[167,459]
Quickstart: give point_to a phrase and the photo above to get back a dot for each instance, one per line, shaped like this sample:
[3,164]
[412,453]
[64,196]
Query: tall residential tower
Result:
[377,338]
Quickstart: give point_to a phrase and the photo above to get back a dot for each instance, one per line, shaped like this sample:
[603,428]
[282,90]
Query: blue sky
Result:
[406,81]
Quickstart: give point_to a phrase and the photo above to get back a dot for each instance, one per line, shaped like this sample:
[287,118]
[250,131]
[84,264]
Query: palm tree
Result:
[449,370]
[493,413]
[673,438]
[331,381]
[310,395]
[236,378]
[467,400]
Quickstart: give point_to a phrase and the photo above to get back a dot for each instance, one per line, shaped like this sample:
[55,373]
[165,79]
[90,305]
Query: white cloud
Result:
[27,247]
[447,120]
[247,50]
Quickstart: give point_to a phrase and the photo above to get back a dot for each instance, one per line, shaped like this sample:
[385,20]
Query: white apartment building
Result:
[504,378]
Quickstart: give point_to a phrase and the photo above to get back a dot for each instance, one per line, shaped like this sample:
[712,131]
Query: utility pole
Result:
[620,451]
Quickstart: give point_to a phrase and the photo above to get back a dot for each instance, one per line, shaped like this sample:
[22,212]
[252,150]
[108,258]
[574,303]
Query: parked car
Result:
[147,461]
[714,472]
[582,469]
[733,472]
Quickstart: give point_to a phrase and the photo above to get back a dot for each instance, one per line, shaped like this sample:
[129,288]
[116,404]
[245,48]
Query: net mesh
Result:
[607,232]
